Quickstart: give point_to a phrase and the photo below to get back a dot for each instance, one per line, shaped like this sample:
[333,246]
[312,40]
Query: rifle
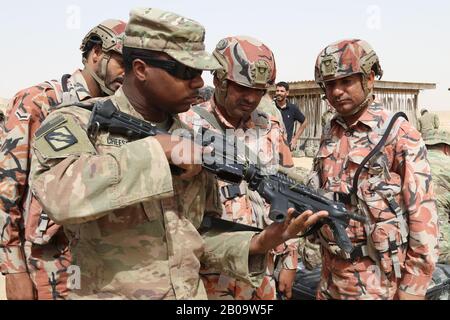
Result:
[280,191]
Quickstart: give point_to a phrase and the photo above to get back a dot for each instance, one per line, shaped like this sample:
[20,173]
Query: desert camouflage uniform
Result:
[132,226]
[429,121]
[268,106]
[250,208]
[407,177]
[3,107]
[327,116]
[441,181]
[21,215]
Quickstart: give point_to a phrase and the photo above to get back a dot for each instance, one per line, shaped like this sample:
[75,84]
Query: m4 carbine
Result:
[280,191]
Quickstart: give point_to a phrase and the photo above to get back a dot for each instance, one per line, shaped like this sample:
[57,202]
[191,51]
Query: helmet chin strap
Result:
[103,69]
[221,92]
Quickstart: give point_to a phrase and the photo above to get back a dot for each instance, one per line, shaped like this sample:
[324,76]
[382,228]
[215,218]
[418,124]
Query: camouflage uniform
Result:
[30,241]
[327,116]
[428,121]
[3,107]
[248,62]
[268,106]
[45,261]
[397,248]
[248,208]
[441,181]
[132,226]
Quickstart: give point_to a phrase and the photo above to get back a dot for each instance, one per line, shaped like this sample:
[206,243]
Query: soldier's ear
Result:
[140,69]
[96,54]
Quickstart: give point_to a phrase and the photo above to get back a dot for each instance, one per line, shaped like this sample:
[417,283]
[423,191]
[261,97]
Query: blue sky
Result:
[41,38]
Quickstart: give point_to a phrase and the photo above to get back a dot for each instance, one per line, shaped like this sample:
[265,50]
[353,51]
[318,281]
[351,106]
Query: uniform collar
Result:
[370,118]
[80,86]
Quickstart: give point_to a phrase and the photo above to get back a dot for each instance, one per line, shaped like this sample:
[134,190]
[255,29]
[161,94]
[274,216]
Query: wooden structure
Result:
[396,96]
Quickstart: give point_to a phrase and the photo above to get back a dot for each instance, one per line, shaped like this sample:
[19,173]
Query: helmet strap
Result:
[100,79]
[221,91]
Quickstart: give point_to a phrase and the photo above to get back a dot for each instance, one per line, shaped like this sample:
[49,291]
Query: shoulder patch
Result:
[22,116]
[60,138]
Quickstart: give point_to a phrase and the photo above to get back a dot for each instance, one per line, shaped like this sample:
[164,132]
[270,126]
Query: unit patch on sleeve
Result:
[61,138]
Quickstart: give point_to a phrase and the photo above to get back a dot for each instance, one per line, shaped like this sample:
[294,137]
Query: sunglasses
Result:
[172,67]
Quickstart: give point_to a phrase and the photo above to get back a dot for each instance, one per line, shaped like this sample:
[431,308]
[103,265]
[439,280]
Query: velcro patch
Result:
[60,139]
[59,120]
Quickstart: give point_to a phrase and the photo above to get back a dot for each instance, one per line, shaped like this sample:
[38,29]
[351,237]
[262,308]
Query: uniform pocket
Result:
[387,240]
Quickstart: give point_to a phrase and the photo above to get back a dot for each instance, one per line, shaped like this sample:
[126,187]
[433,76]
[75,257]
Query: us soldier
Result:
[427,121]
[44,256]
[395,253]
[131,224]
[438,145]
[248,69]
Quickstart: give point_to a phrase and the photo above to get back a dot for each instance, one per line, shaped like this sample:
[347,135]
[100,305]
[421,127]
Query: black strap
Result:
[377,148]
[64,80]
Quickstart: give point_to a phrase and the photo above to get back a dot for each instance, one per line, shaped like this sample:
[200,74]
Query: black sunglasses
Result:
[172,67]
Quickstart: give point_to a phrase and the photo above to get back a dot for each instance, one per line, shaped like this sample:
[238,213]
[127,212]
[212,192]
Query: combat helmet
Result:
[245,61]
[345,58]
[109,34]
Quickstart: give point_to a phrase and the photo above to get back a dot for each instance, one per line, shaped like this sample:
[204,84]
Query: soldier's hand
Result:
[183,153]
[277,233]
[286,282]
[19,287]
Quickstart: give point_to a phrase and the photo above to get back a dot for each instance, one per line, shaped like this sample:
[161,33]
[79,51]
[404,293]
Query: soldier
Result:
[132,225]
[3,106]
[396,251]
[204,94]
[248,69]
[45,256]
[438,145]
[427,121]
[268,106]
[328,115]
